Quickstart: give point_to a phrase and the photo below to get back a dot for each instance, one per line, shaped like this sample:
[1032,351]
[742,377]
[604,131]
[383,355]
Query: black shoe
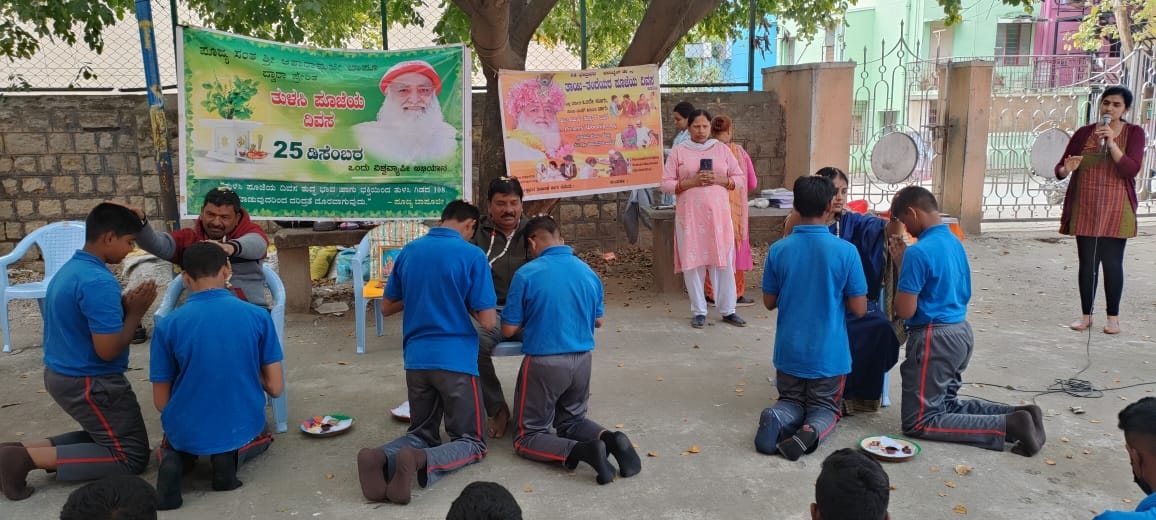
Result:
[325,226]
[169,481]
[743,301]
[698,322]
[735,319]
[140,335]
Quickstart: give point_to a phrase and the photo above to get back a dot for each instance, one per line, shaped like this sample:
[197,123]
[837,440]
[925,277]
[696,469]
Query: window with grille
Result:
[1013,43]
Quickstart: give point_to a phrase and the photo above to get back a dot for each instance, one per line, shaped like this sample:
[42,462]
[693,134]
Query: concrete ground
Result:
[670,387]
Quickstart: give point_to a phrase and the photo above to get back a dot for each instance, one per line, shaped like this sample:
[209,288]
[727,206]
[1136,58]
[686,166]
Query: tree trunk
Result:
[676,18]
[1123,26]
[500,31]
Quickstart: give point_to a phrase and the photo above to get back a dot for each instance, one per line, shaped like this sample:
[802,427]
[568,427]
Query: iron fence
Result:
[61,67]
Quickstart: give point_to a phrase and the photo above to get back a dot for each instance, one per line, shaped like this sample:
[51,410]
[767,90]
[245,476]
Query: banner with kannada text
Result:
[570,133]
[323,134]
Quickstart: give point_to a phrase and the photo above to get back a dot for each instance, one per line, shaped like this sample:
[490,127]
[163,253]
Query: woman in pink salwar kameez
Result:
[704,237]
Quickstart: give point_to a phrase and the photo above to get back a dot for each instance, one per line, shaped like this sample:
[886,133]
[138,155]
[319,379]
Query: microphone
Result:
[1105,120]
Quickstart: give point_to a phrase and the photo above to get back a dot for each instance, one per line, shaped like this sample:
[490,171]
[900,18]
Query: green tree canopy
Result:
[1132,22]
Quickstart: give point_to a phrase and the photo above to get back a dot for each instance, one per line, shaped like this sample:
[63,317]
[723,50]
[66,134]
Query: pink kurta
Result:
[703,232]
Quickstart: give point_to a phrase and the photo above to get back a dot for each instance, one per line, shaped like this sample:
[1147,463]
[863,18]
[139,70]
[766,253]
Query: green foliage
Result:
[230,102]
[1099,24]
[680,69]
[24,23]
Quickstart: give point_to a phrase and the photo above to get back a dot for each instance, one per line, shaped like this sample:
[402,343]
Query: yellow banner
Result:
[571,133]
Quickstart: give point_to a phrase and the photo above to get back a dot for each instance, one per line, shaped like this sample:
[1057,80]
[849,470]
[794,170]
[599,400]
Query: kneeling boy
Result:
[557,300]
[88,325]
[213,360]
[815,279]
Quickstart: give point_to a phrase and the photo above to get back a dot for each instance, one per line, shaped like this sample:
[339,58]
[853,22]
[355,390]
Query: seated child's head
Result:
[122,497]
[111,229]
[813,196]
[485,501]
[203,260]
[851,486]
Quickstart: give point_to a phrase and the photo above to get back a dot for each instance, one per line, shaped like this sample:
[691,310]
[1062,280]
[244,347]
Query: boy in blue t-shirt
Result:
[441,281]
[556,301]
[1138,421]
[815,279]
[88,325]
[215,356]
[932,295]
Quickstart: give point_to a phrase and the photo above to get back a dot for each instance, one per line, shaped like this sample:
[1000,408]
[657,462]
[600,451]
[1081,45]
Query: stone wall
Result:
[62,154]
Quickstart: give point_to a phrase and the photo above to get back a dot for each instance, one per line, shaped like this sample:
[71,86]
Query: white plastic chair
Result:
[277,312]
[57,242]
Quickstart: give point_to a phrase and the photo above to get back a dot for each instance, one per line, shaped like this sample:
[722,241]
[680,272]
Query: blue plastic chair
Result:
[394,233]
[57,242]
[359,266]
[277,291]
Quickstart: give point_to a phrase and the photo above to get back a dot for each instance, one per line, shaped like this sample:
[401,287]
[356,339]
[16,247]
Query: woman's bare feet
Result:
[1083,323]
[1113,326]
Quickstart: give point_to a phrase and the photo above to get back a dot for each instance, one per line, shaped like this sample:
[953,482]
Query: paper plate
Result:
[890,449]
[326,425]
[401,413]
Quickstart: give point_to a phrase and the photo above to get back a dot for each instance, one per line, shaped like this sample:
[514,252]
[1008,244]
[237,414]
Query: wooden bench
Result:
[766,226]
[293,260]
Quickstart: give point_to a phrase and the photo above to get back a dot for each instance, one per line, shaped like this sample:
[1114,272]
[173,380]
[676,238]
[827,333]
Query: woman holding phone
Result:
[1100,205]
[701,172]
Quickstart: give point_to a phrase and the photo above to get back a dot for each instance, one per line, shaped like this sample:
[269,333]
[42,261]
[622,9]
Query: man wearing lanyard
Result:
[499,235]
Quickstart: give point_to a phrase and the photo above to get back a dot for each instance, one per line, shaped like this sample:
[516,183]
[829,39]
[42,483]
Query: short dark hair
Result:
[506,186]
[696,113]
[1119,90]
[485,501]
[683,108]
[120,497]
[460,211]
[223,196]
[202,260]
[813,195]
[1139,418]
[852,486]
[832,172]
[106,217]
[539,223]
[916,197]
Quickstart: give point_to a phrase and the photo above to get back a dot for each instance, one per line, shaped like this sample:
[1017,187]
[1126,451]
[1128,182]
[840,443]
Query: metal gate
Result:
[896,92]
[1032,94]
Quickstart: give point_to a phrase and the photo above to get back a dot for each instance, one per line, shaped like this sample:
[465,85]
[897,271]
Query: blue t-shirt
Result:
[936,270]
[813,273]
[1145,511]
[556,298]
[83,299]
[441,278]
[212,349]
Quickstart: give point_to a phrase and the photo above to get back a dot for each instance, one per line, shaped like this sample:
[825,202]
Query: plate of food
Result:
[326,425]
[891,449]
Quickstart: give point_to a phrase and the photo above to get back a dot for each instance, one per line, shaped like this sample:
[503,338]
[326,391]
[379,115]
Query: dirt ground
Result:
[671,387]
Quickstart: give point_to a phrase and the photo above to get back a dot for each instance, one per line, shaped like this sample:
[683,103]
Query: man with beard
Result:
[410,127]
[533,105]
[225,223]
[1138,421]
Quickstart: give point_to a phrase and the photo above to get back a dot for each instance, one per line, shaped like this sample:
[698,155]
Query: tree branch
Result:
[527,17]
[650,46]
[489,32]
